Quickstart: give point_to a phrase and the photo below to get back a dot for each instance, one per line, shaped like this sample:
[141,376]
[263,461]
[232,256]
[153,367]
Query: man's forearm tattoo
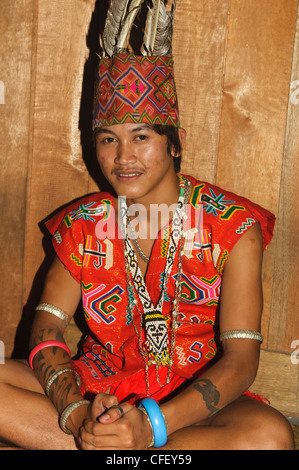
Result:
[209,393]
[63,388]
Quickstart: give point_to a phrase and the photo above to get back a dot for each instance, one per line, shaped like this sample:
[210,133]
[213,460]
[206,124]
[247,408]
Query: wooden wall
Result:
[237,73]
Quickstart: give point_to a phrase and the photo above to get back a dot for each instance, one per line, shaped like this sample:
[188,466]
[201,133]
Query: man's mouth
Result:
[128,174]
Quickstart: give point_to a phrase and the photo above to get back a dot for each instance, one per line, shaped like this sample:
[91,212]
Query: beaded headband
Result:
[136,88]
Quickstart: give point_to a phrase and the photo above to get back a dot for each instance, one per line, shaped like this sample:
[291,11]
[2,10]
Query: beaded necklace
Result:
[157,349]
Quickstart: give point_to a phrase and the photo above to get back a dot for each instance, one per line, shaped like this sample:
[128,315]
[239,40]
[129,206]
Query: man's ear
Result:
[182,137]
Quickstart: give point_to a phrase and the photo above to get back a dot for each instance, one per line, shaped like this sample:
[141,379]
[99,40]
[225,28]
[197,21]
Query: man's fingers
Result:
[102,402]
[90,441]
[111,414]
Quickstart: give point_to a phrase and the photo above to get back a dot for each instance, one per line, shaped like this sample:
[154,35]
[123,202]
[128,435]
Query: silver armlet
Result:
[149,421]
[67,411]
[56,374]
[54,311]
[246,334]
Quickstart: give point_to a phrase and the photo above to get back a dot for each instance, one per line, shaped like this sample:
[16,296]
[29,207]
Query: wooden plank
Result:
[16,26]
[198,48]
[278,380]
[256,88]
[58,173]
[254,109]
[72,337]
[55,172]
[284,324]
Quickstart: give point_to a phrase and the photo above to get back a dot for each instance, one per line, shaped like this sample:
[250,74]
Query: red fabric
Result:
[134,89]
[257,397]
[111,354]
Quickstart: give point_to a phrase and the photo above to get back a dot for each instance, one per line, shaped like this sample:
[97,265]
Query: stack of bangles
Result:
[156,421]
[72,406]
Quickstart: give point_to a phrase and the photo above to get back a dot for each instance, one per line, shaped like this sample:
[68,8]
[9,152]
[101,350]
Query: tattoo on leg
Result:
[209,392]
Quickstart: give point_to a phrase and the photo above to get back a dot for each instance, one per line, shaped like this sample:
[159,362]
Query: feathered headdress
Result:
[136,88]
[158,29]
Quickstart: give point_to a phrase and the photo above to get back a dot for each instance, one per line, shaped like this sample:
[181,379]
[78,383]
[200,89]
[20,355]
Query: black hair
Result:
[173,142]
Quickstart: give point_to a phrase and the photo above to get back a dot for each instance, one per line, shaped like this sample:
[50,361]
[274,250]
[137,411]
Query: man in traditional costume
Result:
[153,370]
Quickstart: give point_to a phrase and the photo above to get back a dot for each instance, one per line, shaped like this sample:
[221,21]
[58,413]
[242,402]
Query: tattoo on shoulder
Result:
[209,392]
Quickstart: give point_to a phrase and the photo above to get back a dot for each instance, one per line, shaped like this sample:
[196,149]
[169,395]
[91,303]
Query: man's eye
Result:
[107,140]
[141,137]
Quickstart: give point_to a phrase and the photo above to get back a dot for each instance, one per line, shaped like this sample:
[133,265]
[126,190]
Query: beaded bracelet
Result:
[157,420]
[56,374]
[47,344]
[67,411]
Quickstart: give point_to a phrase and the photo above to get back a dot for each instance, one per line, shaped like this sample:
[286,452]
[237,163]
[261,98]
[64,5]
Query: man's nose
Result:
[125,153]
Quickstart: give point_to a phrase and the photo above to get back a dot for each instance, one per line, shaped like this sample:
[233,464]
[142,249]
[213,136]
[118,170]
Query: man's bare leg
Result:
[28,419]
[245,424]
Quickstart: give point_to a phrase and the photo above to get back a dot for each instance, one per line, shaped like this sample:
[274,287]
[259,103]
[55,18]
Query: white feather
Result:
[164,32]
[151,28]
[127,24]
[115,16]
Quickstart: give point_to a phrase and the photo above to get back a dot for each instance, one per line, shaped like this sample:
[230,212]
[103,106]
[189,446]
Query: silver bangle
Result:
[246,334]
[56,374]
[54,311]
[150,423]
[67,411]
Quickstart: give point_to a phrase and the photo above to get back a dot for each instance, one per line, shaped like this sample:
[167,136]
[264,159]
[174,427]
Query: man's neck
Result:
[149,215]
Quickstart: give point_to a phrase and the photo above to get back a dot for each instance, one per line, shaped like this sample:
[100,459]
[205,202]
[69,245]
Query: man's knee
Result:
[280,434]
[17,373]
[269,431]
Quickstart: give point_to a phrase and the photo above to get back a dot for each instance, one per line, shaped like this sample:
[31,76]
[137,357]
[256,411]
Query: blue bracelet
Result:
[156,418]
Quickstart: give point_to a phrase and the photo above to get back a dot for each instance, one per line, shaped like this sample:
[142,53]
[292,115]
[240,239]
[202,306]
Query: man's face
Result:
[135,161]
